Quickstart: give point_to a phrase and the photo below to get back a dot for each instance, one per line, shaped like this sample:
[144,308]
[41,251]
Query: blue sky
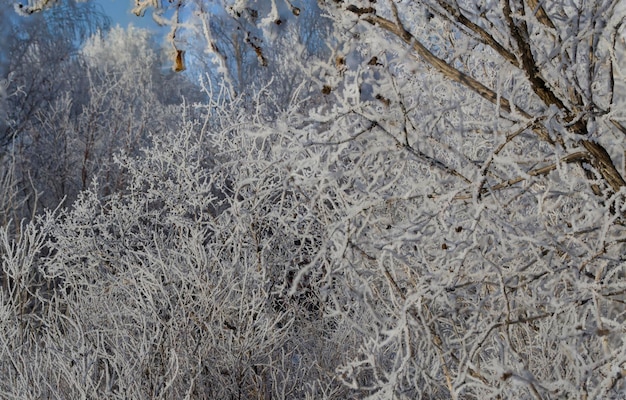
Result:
[119,12]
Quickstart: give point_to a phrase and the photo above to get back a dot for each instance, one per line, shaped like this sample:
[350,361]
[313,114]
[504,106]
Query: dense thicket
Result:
[432,206]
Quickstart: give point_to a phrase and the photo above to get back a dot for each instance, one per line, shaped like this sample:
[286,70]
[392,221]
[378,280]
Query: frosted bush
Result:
[445,222]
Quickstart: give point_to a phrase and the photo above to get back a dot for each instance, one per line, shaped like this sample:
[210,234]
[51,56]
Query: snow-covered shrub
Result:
[180,283]
[446,222]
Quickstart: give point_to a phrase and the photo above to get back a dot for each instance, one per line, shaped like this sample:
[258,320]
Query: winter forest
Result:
[313,199]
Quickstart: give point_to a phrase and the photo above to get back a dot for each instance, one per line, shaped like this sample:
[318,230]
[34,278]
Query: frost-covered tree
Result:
[480,212]
[37,58]
[482,189]
[230,45]
[124,98]
[39,64]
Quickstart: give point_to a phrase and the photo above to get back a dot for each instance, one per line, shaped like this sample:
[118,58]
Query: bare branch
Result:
[541,14]
[519,32]
[457,16]
[443,67]
[575,157]
[451,72]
